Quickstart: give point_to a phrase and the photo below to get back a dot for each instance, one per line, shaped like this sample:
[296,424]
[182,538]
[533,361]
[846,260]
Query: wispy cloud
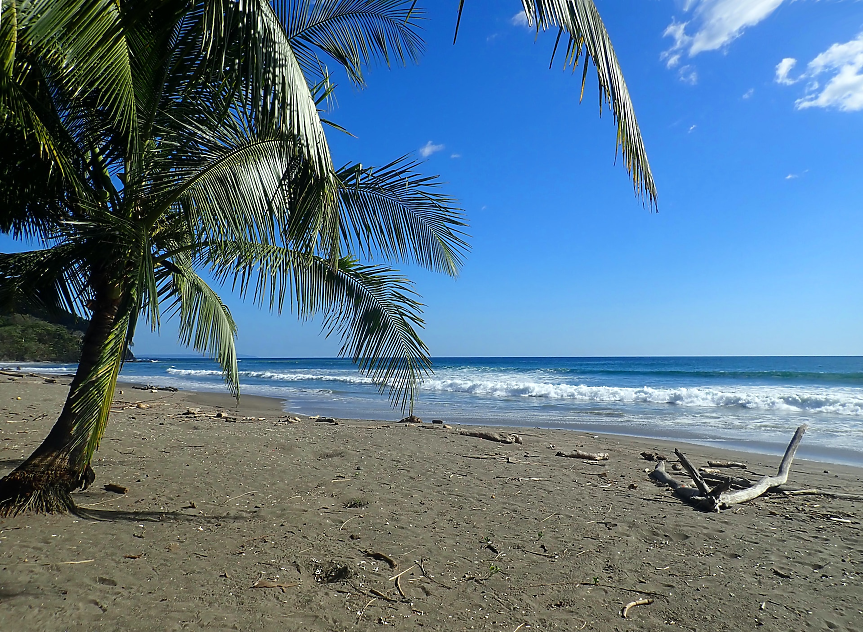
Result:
[455,155]
[843,63]
[791,176]
[782,70]
[519,19]
[430,148]
[691,129]
[748,94]
[714,24]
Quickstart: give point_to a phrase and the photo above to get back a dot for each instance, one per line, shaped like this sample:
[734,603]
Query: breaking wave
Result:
[790,399]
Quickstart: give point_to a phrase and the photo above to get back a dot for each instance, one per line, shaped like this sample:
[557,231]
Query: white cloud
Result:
[430,148]
[791,176]
[688,74]
[455,156]
[843,64]
[716,23]
[519,19]
[691,128]
[748,94]
[782,70]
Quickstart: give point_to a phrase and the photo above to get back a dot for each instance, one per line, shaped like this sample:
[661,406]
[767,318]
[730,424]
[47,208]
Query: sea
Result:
[747,403]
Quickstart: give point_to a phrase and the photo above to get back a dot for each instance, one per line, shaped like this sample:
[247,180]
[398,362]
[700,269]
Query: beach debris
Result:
[383,557]
[267,583]
[819,492]
[142,405]
[324,420]
[134,556]
[638,602]
[192,411]
[411,419]
[117,489]
[726,464]
[653,456]
[578,454]
[710,474]
[720,497]
[500,437]
[437,421]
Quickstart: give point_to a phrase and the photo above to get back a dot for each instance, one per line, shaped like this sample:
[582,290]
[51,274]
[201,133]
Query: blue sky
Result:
[752,114]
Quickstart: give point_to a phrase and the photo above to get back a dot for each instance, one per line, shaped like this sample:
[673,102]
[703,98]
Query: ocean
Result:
[748,403]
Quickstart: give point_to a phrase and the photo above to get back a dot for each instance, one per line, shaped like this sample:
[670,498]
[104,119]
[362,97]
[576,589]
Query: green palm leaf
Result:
[354,33]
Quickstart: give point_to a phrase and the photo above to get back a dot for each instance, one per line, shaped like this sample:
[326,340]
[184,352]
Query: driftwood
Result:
[578,454]
[500,437]
[720,497]
[717,476]
[726,464]
[820,492]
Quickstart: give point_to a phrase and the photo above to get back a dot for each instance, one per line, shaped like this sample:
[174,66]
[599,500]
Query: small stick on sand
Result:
[399,587]
[632,604]
[726,464]
[394,577]
[383,557]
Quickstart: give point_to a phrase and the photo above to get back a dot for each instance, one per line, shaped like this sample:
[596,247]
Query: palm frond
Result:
[82,43]
[205,322]
[371,308]
[246,40]
[54,279]
[354,33]
[399,213]
[586,34]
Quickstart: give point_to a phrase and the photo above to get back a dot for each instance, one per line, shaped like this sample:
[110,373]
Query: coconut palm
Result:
[164,139]
[147,141]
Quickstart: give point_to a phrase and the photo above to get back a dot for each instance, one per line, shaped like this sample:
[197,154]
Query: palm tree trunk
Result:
[43,483]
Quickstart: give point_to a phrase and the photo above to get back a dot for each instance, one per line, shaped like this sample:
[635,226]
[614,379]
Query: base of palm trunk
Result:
[35,489]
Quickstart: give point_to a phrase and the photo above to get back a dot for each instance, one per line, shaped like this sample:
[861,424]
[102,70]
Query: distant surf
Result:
[750,403]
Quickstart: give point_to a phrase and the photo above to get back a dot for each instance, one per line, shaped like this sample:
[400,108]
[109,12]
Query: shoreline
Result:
[241,518]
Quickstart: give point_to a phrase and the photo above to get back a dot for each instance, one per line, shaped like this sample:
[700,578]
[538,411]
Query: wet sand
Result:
[240,519]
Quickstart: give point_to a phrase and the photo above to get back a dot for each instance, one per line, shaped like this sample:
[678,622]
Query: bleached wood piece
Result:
[819,492]
[726,464]
[693,473]
[715,499]
[578,454]
[727,499]
[500,437]
[716,476]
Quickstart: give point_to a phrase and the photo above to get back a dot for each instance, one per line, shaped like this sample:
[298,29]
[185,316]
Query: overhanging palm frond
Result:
[246,41]
[400,214]
[53,279]
[205,322]
[83,43]
[586,33]
[372,308]
[354,33]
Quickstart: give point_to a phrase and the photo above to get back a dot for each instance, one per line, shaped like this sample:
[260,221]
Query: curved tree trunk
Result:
[43,483]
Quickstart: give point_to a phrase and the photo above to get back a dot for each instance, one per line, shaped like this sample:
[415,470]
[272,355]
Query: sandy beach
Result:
[248,518]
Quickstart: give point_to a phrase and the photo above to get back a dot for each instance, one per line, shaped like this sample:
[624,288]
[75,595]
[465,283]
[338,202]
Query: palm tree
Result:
[161,139]
[147,140]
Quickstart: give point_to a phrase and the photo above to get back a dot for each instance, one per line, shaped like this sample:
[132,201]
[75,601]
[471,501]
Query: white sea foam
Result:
[276,376]
[790,399]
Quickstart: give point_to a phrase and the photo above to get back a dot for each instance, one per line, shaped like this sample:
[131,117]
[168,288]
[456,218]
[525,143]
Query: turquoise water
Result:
[750,403]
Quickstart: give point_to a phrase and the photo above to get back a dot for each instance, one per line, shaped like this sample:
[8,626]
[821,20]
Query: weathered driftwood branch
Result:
[726,464]
[500,437]
[693,473]
[734,498]
[720,497]
[715,476]
[820,492]
[578,454]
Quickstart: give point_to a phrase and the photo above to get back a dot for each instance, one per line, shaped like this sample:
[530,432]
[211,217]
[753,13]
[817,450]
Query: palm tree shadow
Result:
[113,515]
[9,464]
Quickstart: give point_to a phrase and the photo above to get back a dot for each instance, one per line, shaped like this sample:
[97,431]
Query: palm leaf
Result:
[354,33]
[205,322]
[586,34]
[371,308]
[400,214]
